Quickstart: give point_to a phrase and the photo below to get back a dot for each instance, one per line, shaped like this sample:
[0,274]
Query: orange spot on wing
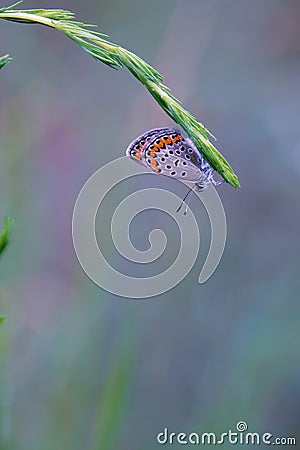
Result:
[154,150]
[177,138]
[138,154]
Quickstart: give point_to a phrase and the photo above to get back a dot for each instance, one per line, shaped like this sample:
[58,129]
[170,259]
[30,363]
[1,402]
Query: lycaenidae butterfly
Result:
[166,151]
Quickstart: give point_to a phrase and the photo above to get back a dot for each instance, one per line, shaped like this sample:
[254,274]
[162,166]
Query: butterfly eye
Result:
[143,142]
[184,163]
[183,174]
[182,148]
[190,150]
[171,152]
[151,147]
[187,156]
[173,136]
[165,138]
[177,152]
[157,141]
[162,159]
[168,167]
[173,173]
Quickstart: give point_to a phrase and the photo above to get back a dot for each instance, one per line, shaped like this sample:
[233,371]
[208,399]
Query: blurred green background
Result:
[83,369]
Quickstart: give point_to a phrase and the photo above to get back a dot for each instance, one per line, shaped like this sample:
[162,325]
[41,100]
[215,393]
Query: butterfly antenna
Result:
[188,197]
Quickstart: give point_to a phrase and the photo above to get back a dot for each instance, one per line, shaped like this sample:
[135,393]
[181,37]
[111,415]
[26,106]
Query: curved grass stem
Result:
[115,56]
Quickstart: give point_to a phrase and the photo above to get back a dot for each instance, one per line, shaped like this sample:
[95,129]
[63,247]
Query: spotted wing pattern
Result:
[171,154]
[135,148]
[167,152]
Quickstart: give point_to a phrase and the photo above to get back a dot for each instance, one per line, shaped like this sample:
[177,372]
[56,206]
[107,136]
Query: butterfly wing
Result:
[174,155]
[136,147]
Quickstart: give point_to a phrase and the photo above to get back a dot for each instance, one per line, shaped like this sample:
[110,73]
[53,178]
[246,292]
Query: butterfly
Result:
[167,151]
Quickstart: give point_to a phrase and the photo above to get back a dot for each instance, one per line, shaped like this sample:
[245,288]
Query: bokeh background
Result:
[84,369]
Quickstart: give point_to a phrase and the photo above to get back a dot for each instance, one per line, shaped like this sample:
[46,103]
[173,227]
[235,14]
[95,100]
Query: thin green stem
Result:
[115,56]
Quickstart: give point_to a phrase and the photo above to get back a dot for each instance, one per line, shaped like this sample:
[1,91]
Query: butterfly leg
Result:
[187,197]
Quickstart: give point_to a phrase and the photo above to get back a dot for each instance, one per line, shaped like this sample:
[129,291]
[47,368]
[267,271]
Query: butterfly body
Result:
[166,151]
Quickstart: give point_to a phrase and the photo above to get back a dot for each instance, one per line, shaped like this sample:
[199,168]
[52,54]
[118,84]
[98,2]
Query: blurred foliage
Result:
[2,319]
[4,60]
[5,234]
[112,404]
[5,238]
